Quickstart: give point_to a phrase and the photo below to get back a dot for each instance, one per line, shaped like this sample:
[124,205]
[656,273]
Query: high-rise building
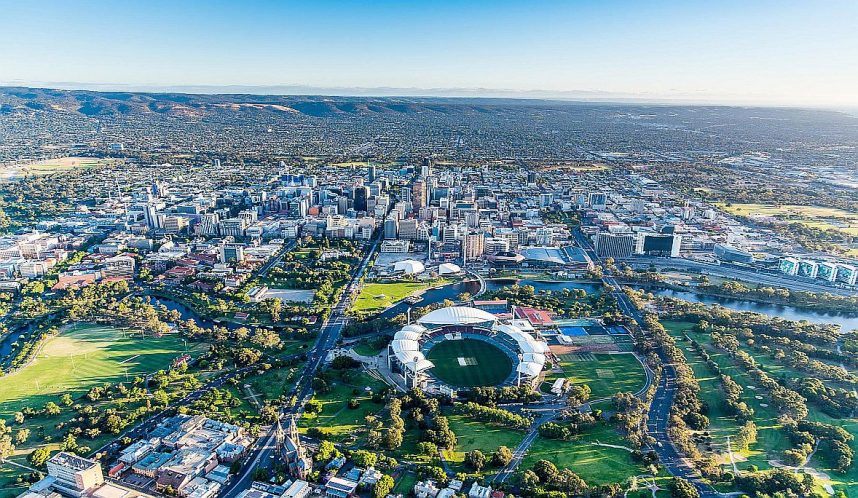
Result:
[408,229]
[233,227]
[614,245]
[659,244]
[391,228]
[473,246]
[231,253]
[372,174]
[531,177]
[597,200]
[360,195]
[74,475]
[544,236]
[418,194]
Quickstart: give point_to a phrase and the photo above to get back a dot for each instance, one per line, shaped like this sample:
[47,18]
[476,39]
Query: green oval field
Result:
[469,363]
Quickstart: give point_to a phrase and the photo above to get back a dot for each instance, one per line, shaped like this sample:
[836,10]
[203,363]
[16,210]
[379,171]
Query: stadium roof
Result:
[457,315]
[409,266]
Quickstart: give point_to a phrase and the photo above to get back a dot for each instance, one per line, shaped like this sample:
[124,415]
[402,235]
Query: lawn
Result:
[469,363]
[336,417]
[377,296]
[595,464]
[606,374]
[475,435]
[83,357]
[811,216]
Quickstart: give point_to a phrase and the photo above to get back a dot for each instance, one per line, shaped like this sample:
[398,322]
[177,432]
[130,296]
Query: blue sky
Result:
[790,52]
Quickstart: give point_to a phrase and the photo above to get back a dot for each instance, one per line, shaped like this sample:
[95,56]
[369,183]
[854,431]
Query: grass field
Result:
[336,416]
[595,464]
[81,358]
[606,374]
[469,363]
[50,166]
[474,435]
[812,216]
[375,297]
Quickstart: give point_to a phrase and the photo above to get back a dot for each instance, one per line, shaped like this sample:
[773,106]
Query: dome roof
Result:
[446,268]
[456,315]
[409,267]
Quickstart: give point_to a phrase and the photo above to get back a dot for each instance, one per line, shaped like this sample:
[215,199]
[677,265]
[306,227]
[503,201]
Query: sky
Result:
[780,52]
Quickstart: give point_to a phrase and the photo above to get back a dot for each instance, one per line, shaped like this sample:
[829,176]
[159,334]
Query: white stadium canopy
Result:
[456,315]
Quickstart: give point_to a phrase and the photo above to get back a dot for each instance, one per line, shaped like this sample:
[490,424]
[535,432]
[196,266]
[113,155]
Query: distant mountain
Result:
[95,104]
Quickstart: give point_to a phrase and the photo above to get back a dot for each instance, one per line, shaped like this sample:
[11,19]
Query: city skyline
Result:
[695,52]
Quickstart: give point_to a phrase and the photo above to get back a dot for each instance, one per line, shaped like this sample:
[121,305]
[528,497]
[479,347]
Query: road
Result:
[770,279]
[662,402]
[263,452]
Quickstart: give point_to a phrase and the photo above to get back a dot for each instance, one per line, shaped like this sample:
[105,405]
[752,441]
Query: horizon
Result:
[792,54]
[570,97]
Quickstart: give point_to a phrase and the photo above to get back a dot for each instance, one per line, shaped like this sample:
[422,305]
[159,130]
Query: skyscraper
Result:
[361,194]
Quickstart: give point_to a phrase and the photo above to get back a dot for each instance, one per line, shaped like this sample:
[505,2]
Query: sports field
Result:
[81,358]
[469,363]
[606,374]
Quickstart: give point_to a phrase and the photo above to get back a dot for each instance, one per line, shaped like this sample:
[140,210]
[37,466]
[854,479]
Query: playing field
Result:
[606,374]
[81,358]
[469,363]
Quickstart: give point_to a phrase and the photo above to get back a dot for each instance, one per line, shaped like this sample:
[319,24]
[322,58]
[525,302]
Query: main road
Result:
[659,410]
[262,454]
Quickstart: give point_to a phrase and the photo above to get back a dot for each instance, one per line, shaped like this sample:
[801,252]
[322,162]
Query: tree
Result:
[475,459]
[680,488]
[364,458]
[383,487]
[546,471]
[21,436]
[313,406]
[39,457]
[327,451]
[161,397]
[501,457]
[427,448]
[6,447]
[51,409]
[113,423]
[66,400]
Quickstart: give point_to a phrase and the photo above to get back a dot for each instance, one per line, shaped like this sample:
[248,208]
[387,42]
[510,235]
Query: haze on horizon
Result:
[762,52]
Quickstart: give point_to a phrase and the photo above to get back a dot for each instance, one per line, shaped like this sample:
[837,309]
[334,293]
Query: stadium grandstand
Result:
[462,347]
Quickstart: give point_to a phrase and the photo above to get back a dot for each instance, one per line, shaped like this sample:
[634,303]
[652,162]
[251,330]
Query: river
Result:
[846,322]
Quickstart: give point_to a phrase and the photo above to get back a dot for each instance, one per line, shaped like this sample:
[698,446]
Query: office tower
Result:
[391,228]
[418,194]
[360,196]
[614,246]
[372,173]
